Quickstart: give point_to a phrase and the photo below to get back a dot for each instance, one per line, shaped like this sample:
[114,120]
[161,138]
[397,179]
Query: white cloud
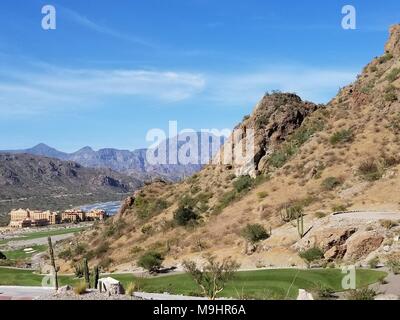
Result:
[57,88]
[51,89]
[317,85]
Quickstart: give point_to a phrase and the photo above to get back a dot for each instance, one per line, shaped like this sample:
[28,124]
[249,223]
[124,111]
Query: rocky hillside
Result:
[38,182]
[309,159]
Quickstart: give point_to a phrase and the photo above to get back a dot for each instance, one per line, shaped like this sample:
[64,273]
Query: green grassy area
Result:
[20,254]
[262,284]
[18,277]
[42,234]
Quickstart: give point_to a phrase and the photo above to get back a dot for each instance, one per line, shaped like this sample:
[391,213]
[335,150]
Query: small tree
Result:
[185,215]
[151,261]
[213,277]
[254,233]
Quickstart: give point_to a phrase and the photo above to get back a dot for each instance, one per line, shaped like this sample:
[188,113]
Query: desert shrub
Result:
[146,208]
[147,229]
[80,288]
[195,189]
[395,123]
[204,197]
[136,250]
[323,292]
[101,249]
[339,208]
[282,155]
[361,294]
[386,57]
[254,233]
[341,136]
[106,262]
[183,216]
[373,263]
[320,215]
[213,276]
[331,183]
[132,288]
[294,142]
[390,94]
[393,75]
[388,224]
[65,254]
[394,265]
[151,261]
[115,228]
[369,170]
[187,201]
[312,254]
[243,183]
[262,194]
[80,249]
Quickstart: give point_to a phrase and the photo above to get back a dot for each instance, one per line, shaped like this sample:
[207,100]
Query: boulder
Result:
[326,238]
[110,286]
[362,244]
[304,295]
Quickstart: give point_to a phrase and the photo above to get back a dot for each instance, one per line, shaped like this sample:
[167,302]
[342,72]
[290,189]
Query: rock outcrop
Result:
[393,44]
[273,120]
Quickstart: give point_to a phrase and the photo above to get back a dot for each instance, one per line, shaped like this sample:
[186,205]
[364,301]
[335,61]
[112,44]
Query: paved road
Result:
[22,293]
[368,215]
[38,241]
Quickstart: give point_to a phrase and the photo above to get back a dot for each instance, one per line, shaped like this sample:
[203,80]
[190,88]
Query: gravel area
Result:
[91,295]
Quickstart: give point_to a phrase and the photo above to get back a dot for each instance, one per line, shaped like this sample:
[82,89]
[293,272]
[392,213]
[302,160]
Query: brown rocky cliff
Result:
[273,120]
[393,44]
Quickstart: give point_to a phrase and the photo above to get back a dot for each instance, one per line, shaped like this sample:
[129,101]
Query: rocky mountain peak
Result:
[393,44]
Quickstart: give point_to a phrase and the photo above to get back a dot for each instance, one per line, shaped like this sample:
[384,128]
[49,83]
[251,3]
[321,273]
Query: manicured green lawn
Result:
[262,284]
[42,234]
[17,277]
[20,254]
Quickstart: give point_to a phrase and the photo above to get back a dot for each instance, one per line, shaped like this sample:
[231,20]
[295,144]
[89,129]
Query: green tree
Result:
[213,277]
[151,261]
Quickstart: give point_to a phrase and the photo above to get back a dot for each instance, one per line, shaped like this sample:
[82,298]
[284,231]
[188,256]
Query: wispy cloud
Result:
[55,88]
[48,88]
[315,84]
[90,24]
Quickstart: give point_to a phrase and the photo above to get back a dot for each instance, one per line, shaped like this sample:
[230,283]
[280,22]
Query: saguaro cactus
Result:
[96,276]
[86,272]
[300,224]
[53,262]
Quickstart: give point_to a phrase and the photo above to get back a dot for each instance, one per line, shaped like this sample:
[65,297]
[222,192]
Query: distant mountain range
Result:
[133,163]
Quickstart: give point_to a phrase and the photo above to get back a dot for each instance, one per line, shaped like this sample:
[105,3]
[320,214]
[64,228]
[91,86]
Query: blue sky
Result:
[112,70]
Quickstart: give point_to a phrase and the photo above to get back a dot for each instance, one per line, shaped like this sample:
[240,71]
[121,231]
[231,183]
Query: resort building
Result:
[25,218]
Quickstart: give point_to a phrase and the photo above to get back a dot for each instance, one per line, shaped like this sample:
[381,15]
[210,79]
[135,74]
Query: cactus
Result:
[300,224]
[53,262]
[96,276]
[86,272]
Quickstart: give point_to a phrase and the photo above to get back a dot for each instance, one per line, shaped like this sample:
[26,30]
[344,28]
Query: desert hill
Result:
[316,159]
